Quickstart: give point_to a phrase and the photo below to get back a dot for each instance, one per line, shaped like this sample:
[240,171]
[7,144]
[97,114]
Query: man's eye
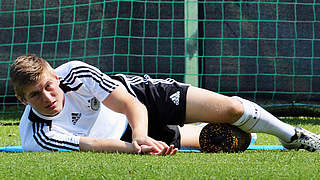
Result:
[48,86]
[34,95]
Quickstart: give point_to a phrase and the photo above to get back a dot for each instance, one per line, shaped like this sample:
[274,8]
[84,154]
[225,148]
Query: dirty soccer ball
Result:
[221,137]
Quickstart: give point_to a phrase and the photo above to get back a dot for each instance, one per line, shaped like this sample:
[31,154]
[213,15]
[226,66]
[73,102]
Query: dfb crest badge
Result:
[94,104]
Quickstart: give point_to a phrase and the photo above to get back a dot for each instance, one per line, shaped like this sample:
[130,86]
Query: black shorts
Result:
[165,101]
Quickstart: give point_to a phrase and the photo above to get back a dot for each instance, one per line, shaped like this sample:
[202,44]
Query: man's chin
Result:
[52,113]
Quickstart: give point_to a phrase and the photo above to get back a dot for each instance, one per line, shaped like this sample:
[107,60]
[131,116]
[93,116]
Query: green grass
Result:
[247,165]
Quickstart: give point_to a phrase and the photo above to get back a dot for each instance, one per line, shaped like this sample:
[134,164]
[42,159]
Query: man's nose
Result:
[47,95]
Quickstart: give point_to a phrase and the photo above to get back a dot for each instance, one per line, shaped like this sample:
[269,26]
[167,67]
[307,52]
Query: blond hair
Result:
[27,70]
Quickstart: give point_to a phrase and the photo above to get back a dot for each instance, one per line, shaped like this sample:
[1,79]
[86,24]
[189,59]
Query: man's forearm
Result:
[123,102]
[105,145]
[114,146]
[138,119]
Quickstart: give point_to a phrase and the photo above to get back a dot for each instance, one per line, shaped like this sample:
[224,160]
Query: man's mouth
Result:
[52,105]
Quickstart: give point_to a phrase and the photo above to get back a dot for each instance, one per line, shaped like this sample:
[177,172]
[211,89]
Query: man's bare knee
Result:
[235,110]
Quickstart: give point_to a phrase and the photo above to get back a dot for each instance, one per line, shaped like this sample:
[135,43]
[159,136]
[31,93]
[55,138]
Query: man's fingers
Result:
[150,150]
[137,148]
[162,144]
[174,151]
[159,147]
[148,141]
[171,150]
[167,151]
[147,149]
[171,147]
[159,144]
[164,151]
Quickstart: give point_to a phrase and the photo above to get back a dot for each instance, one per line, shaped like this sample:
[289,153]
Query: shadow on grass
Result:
[301,120]
[10,116]
[10,119]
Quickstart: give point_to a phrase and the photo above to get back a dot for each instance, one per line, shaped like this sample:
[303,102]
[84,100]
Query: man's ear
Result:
[21,99]
[57,78]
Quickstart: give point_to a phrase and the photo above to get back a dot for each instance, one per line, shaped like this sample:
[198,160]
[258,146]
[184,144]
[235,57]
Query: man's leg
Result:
[206,106]
[190,135]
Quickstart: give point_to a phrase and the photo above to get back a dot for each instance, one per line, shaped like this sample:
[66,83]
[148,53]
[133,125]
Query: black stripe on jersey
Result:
[58,141]
[137,80]
[73,71]
[70,78]
[49,143]
[123,81]
[37,139]
[101,82]
[65,88]
[89,72]
[34,118]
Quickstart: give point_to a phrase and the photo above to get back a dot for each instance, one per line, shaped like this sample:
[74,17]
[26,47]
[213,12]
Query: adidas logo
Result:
[175,98]
[75,117]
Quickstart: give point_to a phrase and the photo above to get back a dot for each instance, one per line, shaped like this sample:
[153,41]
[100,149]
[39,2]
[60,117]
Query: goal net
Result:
[265,51]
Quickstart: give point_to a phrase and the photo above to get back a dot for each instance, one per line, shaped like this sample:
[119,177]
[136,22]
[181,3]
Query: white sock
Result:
[257,120]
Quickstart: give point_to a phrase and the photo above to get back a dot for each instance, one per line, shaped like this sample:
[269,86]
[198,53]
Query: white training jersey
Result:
[83,113]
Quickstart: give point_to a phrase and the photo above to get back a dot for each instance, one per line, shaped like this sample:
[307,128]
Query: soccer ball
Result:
[221,137]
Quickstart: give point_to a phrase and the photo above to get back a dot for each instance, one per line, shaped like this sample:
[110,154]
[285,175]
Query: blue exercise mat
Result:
[19,149]
[251,147]
[266,147]
[11,149]
[183,149]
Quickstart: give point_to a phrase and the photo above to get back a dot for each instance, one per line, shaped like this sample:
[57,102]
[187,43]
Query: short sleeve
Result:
[86,79]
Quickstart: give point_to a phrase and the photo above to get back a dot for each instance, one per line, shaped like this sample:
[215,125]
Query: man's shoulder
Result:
[25,125]
[68,66]
[26,113]
[27,117]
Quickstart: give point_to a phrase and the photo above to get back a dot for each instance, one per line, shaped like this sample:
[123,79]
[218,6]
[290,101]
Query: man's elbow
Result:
[87,144]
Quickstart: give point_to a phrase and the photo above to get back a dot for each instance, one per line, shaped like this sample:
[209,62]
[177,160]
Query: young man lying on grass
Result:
[77,107]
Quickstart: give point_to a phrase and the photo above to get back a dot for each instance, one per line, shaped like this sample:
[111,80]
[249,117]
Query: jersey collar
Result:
[33,117]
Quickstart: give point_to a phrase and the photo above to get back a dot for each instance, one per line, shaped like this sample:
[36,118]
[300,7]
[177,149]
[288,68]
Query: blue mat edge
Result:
[251,147]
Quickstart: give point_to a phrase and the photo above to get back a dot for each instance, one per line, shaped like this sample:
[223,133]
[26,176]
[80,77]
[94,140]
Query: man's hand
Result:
[165,151]
[158,147]
[146,140]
